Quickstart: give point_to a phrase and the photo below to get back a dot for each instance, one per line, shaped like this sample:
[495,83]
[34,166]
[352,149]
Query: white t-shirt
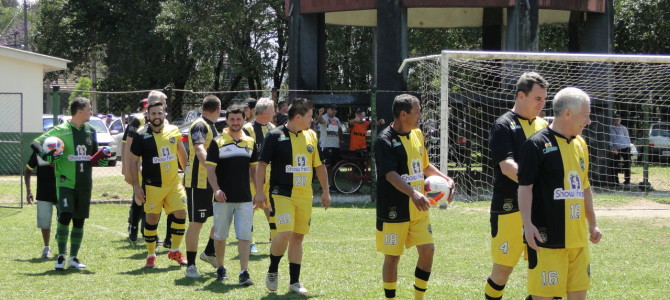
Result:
[328,133]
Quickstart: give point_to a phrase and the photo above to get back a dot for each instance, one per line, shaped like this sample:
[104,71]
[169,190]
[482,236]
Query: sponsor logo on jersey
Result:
[412,178]
[416,165]
[395,143]
[167,156]
[513,125]
[283,138]
[575,191]
[298,169]
[393,214]
[508,206]
[81,154]
[310,149]
[549,148]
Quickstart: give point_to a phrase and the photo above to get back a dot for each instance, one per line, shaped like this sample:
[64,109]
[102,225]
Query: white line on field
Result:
[110,230]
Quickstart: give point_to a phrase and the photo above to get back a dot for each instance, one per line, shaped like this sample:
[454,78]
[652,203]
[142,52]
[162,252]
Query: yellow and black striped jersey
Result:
[258,132]
[507,134]
[293,157]
[558,169]
[201,132]
[406,155]
[232,159]
[158,151]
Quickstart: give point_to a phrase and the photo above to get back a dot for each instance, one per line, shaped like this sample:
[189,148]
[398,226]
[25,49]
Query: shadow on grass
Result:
[142,270]
[34,260]
[222,286]
[288,295]
[67,271]
[186,281]
[253,257]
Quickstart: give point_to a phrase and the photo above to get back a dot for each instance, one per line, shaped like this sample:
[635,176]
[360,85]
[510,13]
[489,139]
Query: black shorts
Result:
[330,155]
[199,202]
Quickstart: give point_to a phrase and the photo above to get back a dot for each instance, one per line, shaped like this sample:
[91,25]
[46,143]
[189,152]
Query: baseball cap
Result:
[250,102]
[361,110]
[144,102]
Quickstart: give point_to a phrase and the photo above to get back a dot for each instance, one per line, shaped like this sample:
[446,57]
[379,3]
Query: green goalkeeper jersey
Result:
[73,169]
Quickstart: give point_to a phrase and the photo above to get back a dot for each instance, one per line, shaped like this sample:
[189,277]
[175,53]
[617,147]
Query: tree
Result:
[83,84]
[642,26]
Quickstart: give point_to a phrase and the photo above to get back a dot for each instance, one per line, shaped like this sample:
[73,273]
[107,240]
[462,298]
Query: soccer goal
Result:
[463,93]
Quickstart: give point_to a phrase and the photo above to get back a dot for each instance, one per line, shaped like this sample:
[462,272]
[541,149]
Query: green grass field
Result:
[340,261]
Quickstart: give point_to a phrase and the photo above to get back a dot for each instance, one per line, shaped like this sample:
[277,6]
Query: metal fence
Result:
[12,158]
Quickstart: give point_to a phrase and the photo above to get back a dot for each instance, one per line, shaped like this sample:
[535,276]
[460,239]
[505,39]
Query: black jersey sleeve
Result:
[213,152]
[384,157]
[131,130]
[199,133]
[32,161]
[268,148]
[501,142]
[137,147]
[254,153]
[530,157]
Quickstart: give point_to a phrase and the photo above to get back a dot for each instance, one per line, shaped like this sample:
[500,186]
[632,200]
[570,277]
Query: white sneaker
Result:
[74,263]
[60,263]
[192,272]
[253,249]
[46,252]
[298,288]
[271,281]
[208,259]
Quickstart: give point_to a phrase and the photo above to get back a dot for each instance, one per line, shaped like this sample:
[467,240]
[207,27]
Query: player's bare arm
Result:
[259,199]
[219,195]
[594,231]
[525,204]
[125,159]
[26,179]
[201,153]
[181,155]
[320,118]
[431,170]
[252,177]
[322,174]
[132,173]
[419,199]
[510,168]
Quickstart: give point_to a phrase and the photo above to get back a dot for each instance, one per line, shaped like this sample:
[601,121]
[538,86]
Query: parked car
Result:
[116,129]
[104,138]
[659,141]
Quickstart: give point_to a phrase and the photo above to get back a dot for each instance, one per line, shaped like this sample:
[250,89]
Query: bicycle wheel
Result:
[347,178]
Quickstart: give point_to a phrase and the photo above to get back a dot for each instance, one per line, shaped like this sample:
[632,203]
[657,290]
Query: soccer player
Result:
[137,121]
[160,147]
[73,178]
[403,219]
[292,151]
[231,163]
[198,190]
[358,129]
[249,110]
[281,117]
[556,201]
[507,134]
[258,129]
[46,196]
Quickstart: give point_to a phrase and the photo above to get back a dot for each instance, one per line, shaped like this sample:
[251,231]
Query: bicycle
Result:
[351,171]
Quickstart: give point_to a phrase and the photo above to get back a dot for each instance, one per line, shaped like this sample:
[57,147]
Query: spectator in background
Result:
[620,149]
[46,196]
[249,109]
[108,121]
[282,114]
[358,128]
[329,135]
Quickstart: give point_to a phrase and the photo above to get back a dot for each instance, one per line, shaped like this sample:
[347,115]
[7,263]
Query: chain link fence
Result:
[11,144]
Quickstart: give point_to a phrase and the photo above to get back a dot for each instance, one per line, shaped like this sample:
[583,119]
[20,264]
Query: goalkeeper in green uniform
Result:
[73,177]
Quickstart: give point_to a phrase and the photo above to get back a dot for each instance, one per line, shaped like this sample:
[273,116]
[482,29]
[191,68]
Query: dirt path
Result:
[636,209]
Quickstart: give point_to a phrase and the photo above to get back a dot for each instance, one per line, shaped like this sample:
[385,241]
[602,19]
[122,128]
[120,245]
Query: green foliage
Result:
[83,84]
[642,26]
[349,63]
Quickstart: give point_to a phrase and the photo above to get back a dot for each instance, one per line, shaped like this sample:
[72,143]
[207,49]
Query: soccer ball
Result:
[51,143]
[437,188]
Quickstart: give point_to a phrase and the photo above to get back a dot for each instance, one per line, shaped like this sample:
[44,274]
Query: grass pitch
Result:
[340,261]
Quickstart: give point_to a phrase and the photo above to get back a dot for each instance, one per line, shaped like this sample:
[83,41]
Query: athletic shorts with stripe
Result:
[199,202]
[507,238]
[393,238]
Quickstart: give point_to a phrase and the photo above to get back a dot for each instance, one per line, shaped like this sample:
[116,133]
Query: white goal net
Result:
[463,93]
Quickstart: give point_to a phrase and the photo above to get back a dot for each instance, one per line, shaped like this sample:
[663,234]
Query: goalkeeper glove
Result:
[49,156]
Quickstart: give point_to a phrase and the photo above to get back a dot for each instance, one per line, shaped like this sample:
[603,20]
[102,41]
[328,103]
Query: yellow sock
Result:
[420,283]
[178,227]
[150,237]
[493,291]
[389,289]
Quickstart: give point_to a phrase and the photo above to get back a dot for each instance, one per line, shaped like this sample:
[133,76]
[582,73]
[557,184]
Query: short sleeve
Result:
[95,140]
[131,130]
[198,133]
[316,158]
[213,154]
[501,143]
[268,148]
[384,157]
[32,162]
[137,147]
[587,182]
[254,152]
[530,158]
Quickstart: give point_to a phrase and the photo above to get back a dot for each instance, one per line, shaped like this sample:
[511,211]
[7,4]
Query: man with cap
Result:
[329,135]
[620,149]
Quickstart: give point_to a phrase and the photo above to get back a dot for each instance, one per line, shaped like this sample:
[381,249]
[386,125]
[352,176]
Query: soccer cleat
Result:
[253,249]
[60,263]
[208,259]
[46,252]
[132,233]
[151,262]
[245,279]
[298,288]
[192,272]
[271,281]
[75,263]
[221,274]
[178,257]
